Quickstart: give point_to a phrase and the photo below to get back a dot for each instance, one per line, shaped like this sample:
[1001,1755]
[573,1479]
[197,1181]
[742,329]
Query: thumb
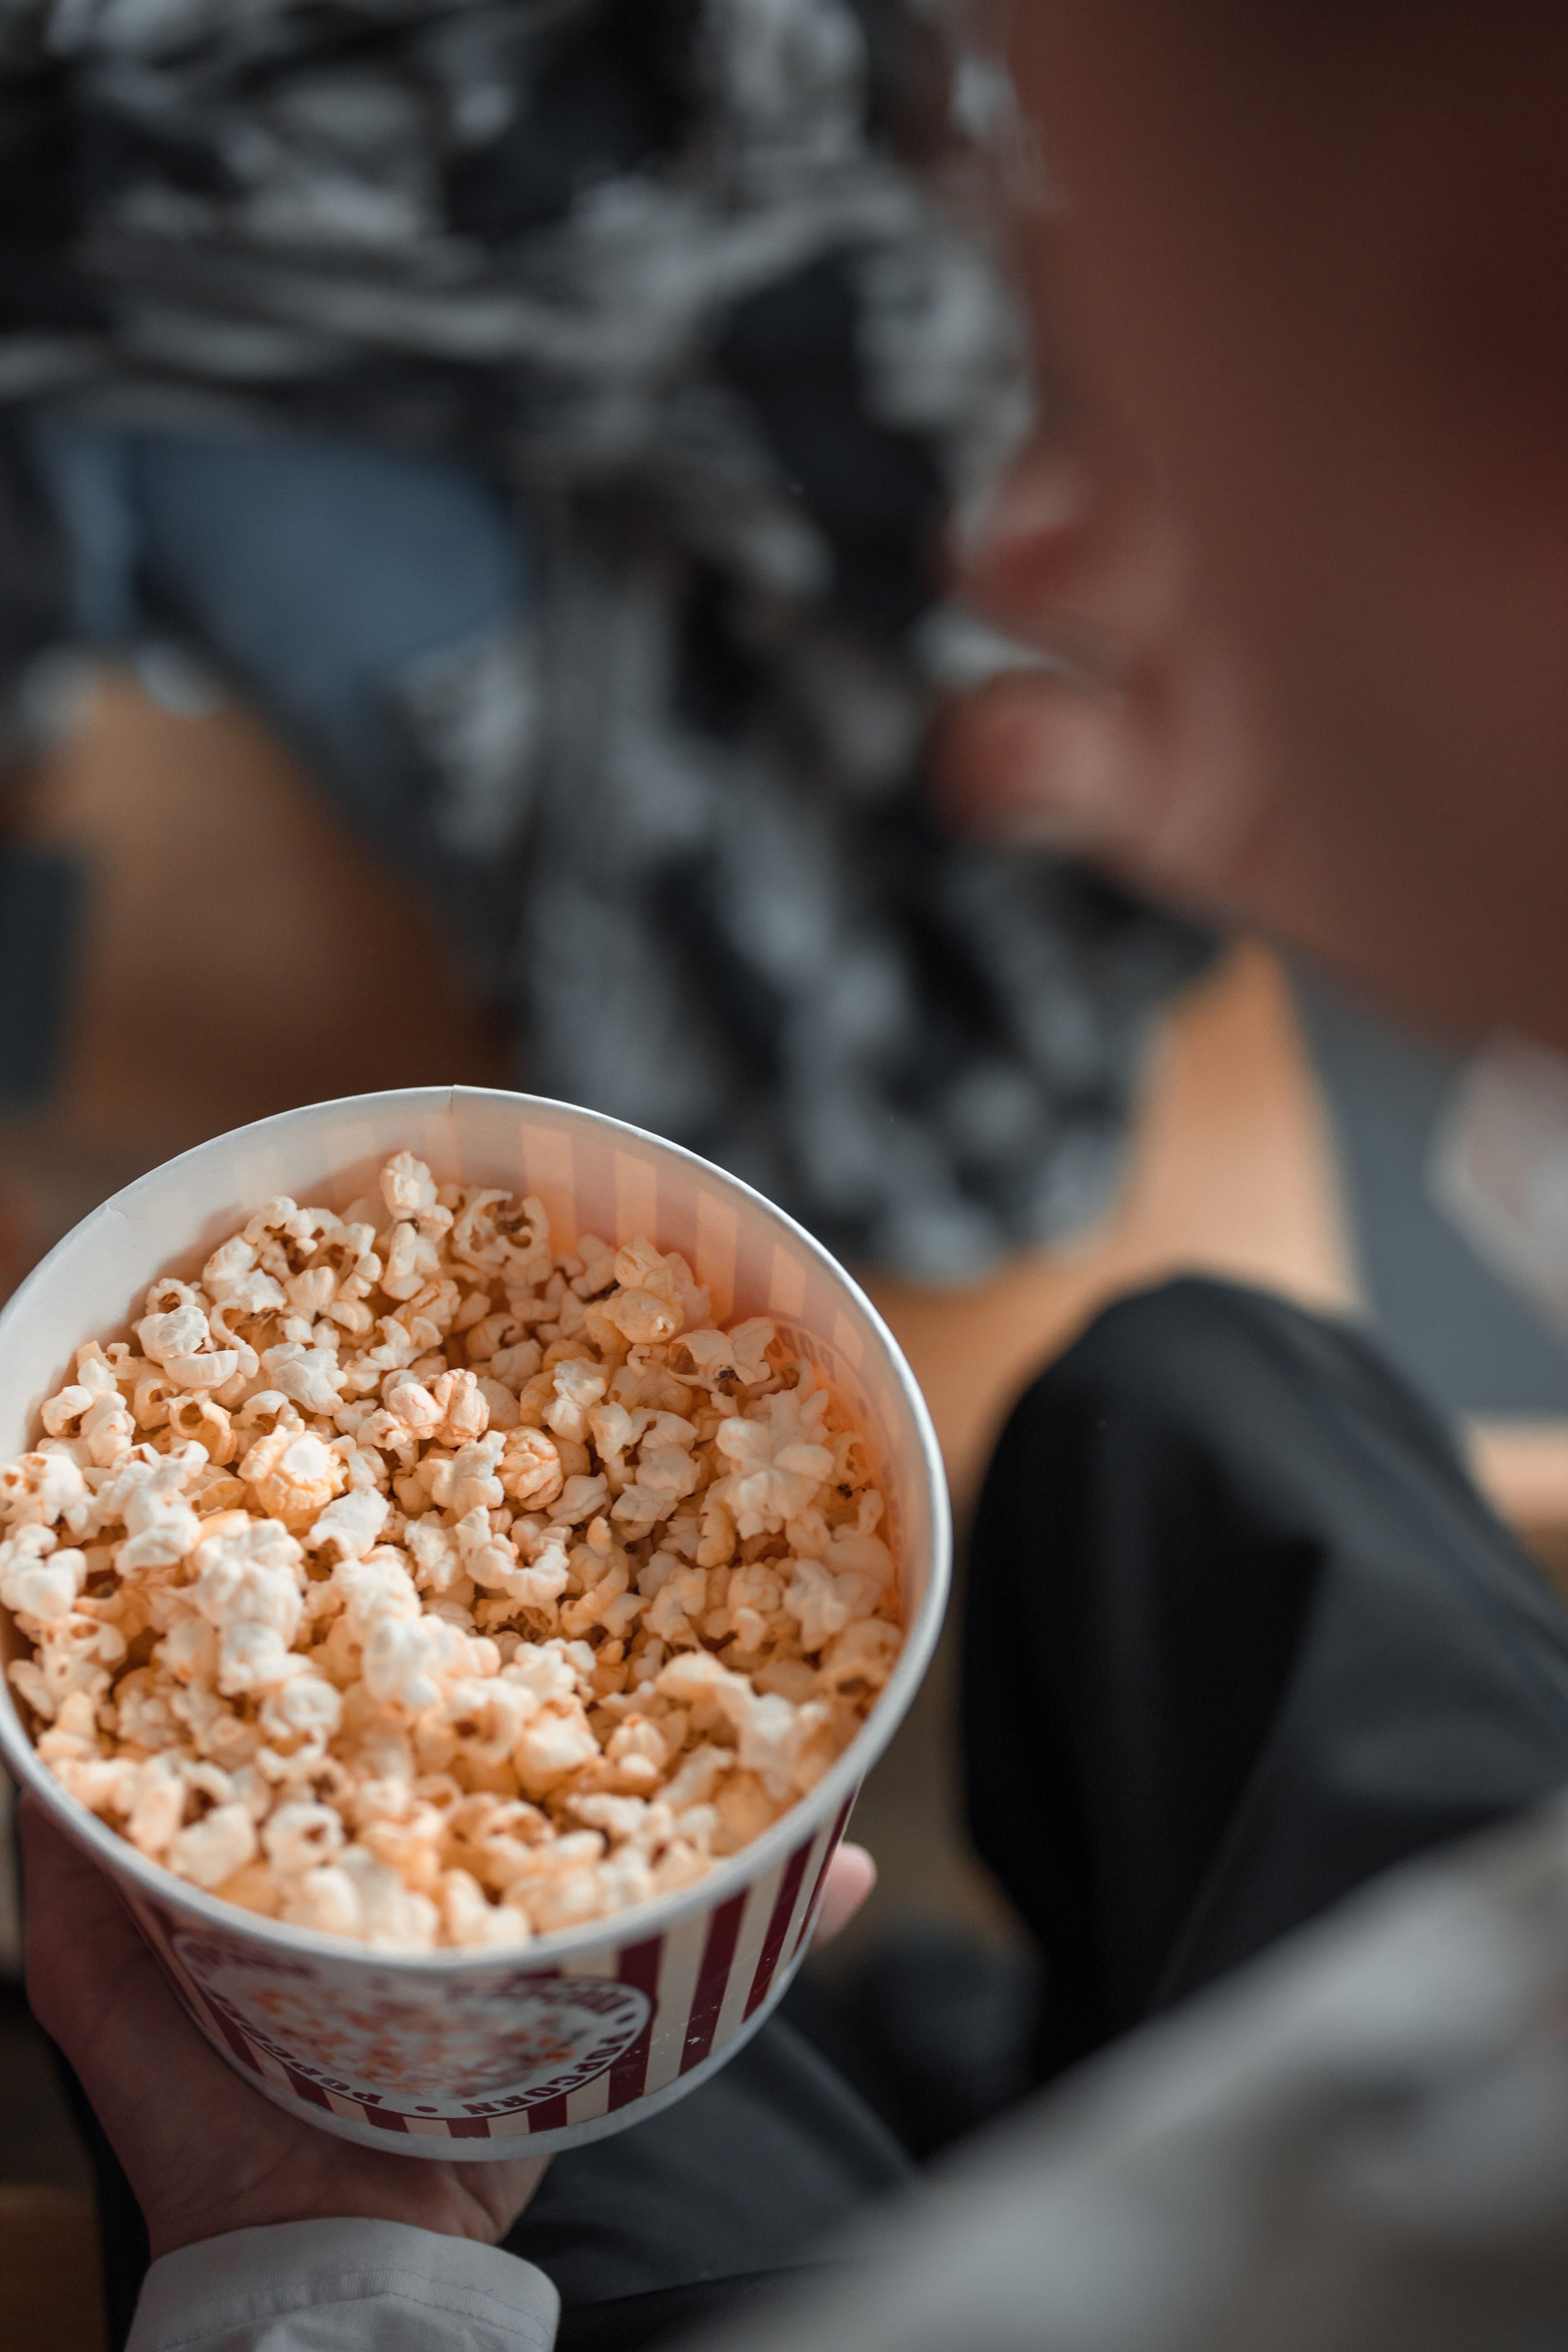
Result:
[851,1875]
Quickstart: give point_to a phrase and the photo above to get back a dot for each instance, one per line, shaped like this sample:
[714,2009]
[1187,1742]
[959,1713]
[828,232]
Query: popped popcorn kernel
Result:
[415,1581]
[293,1473]
[213,1848]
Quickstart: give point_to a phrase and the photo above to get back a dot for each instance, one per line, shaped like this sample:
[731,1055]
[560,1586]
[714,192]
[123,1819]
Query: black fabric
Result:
[875,492]
[605,94]
[1240,1634]
[636,2323]
[122,2246]
[651,265]
[726,2195]
[35,561]
[40,910]
[752,2173]
[730,2198]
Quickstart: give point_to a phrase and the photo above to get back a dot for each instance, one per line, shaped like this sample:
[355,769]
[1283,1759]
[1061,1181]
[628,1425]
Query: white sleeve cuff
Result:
[343,2286]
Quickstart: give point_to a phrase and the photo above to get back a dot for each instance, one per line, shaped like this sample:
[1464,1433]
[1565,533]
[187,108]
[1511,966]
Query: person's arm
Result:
[1132,747]
[267,2234]
[343,2286]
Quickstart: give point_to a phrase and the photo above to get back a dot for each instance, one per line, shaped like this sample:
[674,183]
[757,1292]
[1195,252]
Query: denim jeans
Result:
[373,604]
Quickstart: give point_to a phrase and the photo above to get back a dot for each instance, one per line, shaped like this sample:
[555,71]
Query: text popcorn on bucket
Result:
[411,1580]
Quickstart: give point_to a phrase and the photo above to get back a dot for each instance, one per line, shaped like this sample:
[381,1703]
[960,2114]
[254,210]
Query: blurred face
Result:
[1312,263]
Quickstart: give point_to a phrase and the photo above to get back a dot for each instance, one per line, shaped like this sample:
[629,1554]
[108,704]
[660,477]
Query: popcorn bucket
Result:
[478,2055]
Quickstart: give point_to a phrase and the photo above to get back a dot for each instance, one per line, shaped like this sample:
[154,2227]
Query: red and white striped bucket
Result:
[577,2034]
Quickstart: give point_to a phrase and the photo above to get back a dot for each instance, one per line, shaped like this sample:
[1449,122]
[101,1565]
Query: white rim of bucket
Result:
[640,1920]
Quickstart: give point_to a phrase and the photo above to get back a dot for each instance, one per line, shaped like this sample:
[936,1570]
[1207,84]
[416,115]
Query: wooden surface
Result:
[240,955]
[50,2296]
[1522,1467]
[1232,1172]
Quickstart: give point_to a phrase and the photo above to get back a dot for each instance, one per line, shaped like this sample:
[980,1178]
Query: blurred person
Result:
[1242,1636]
[545,411]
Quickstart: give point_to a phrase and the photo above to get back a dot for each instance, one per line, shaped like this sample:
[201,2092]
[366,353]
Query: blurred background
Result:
[476,487]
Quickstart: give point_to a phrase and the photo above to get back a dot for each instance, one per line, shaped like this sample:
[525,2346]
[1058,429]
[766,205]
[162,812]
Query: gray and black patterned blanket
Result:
[659,266]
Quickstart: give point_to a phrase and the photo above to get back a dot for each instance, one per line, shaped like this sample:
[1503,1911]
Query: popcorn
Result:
[409,1190]
[470,1920]
[466,1481]
[153,1799]
[42,1489]
[309,1377]
[724,1361]
[181,1341]
[408,1660]
[328,1900]
[373,1588]
[301,1836]
[665,1474]
[146,1494]
[107,1429]
[862,1657]
[93,1411]
[253,1656]
[579,1385]
[305,1707]
[501,1405]
[196,1419]
[823,1603]
[582,1497]
[411,1581]
[248,1572]
[412,1261]
[529,1468]
[294,1473]
[350,1525]
[231,1279]
[35,1580]
[213,1848]
[778,1464]
[642,1318]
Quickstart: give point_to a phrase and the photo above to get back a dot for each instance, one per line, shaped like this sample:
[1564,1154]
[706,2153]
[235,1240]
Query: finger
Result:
[851,1875]
[82,1947]
[502,2192]
[1161,779]
[1038,516]
[96,1988]
[1038,764]
[205,2151]
[1079,546]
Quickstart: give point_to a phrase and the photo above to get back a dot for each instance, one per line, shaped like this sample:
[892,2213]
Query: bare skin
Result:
[205,2153]
[1311,272]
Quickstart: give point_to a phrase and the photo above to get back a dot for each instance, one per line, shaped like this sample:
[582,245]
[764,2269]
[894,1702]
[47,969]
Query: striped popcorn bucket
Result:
[576,2034]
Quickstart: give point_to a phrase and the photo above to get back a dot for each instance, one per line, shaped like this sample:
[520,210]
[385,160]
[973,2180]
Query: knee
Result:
[1196,1358]
[1151,1346]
